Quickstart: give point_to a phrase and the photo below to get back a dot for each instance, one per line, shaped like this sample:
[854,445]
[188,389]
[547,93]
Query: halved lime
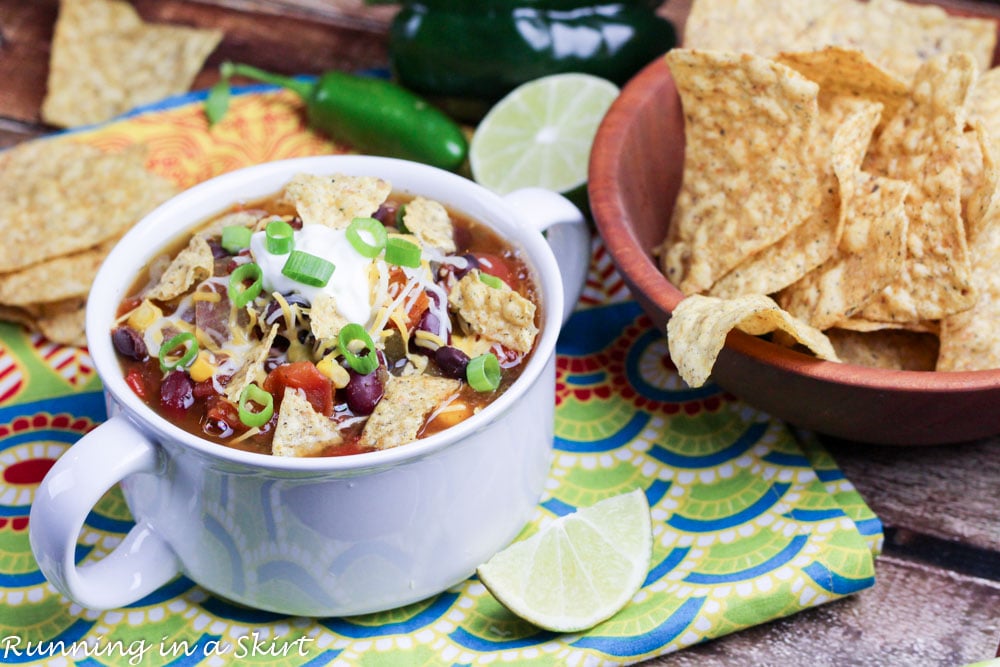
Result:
[540,134]
[580,569]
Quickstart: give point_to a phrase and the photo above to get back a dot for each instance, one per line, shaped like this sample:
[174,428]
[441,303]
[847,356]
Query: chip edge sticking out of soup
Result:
[334,317]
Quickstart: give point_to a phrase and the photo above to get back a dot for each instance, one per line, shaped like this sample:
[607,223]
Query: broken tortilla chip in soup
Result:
[750,162]
[697,330]
[106,60]
[59,197]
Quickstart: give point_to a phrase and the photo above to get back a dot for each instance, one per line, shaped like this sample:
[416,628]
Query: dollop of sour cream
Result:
[349,283]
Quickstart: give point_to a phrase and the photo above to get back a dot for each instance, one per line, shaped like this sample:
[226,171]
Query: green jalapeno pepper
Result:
[371,115]
[465,56]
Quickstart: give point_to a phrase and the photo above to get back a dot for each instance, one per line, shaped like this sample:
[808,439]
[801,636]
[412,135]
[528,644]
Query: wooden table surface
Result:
[937,597]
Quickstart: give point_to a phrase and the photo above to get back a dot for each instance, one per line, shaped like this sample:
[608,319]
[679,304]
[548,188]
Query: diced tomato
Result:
[218,409]
[397,279]
[135,382]
[305,376]
[495,266]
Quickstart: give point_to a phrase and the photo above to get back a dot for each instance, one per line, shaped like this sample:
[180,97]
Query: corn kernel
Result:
[202,368]
[337,373]
[144,315]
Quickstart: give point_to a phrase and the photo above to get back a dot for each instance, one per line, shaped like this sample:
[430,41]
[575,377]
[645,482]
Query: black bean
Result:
[177,391]
[452,361]
[218,252]
[129,343]
[274,311]
[473,263]
[363,392]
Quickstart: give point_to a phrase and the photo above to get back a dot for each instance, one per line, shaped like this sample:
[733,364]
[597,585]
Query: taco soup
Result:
[334,317]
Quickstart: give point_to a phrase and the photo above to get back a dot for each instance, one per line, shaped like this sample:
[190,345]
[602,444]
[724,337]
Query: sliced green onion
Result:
[356,333]
[241,294]
[280,237]
[253,393]
[400,214]
[360,230]
[308,269]
[402,252]
[235,238]
[490,280]
[483,372]
[185,340]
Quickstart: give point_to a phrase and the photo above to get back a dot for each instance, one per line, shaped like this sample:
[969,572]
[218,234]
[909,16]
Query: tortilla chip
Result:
[428,220]
[54,279]
[325,320]
[300,430]
[59,197]
[403,410]
[751,170]
[336,200]
[762,27]
[970,340]
[899,36]
[921,146]
[892,349]
[842,142]
[498,313]
[697,330]
[848,73]
[903,36]
[191,265]
[61,322]
[106,61]
[846,282]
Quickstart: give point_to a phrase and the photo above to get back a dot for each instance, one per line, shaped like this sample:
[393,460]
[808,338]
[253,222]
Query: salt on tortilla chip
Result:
[983,202]
[336,200]
[847,124]
[325,319]
[846,282]
[58,197]
[899,36]
[429,221]
[300,430]
[106,60]
[970,340]
[762,27]
[196,262]
[750,163]
[920,146]
[984,100]
[902,36]
[403,410]
[697,330]
[848,73]
[892,349]
[54,279]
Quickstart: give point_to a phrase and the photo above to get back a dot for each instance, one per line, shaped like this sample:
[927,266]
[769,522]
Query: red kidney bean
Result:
[452,361]
[363,392]
[177,391]
[129,343]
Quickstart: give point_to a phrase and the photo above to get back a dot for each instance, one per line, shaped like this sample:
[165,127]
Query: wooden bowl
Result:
[635,173]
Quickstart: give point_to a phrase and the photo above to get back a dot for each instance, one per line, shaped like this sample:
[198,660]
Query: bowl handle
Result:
[567,233]
[141,563]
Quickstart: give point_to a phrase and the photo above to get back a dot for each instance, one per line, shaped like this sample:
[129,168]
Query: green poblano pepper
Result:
[467,54]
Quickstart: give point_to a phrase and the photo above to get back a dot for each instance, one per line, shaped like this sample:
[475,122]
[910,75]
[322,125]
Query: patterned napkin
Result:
[752,521]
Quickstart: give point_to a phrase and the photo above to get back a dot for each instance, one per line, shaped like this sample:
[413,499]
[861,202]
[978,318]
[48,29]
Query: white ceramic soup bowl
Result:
[313,536]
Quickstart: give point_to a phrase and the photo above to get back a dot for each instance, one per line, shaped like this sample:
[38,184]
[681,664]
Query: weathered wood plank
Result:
[913,616]
[949,492]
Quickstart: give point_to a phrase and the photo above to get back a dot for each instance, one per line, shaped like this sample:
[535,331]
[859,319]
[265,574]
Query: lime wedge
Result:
[540,134]
[580,569]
